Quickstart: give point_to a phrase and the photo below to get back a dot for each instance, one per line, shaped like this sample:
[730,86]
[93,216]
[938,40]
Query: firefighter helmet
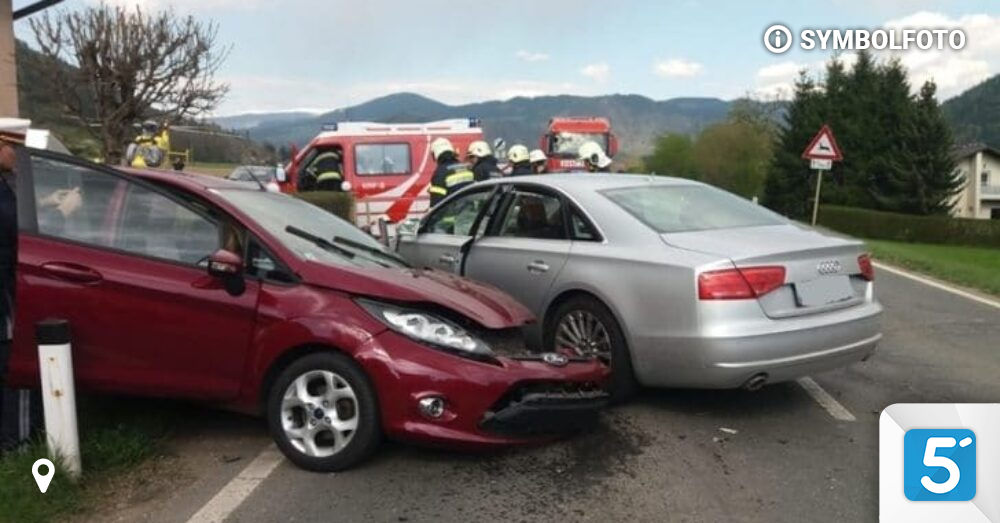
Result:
[517,154]
[537,156]
[479,149]
[440,146]
[593,154]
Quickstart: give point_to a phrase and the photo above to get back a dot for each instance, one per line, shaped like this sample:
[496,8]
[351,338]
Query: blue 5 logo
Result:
[939,465]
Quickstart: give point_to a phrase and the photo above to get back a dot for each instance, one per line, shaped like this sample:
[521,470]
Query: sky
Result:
[327,54]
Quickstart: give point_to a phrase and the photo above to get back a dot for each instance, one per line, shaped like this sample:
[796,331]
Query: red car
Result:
[187,286]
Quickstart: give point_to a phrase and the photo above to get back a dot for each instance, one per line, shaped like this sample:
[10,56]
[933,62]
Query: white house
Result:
[979,165]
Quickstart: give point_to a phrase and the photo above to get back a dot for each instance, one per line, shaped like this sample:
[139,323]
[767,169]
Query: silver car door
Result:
[525,248]
[446,229]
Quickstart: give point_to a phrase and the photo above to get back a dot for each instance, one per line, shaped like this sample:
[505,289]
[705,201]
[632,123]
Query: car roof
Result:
[188,180]
[581,182]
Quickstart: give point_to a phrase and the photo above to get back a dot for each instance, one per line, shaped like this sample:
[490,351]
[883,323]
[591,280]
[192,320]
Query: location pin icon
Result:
[43,480]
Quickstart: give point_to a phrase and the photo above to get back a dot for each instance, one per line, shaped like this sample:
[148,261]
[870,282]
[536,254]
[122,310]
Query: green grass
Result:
[974,267]
[115,436]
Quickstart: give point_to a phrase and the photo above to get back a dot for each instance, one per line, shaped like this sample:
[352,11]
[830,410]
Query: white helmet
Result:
[440,146]
[517,154]
[537,156]
[592,153]
[479,149]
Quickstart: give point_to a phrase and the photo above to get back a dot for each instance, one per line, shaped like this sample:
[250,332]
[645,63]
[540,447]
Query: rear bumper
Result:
[791,349]
[487,405]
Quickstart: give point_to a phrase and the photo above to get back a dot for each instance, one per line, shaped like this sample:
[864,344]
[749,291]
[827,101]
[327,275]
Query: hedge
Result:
[877,225]
[337,203]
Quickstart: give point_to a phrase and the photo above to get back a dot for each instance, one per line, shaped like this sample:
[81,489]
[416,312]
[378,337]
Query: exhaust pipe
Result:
[756,383]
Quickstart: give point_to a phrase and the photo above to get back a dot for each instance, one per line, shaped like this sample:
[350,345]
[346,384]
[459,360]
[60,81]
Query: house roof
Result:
[968,149]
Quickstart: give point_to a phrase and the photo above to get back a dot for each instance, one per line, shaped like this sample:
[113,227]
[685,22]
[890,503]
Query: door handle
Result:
[448,259]
[72,272]
[538,267]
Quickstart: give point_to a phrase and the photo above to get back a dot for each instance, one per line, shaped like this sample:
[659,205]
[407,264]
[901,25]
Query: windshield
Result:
[249,173]
[310,232]
[567,144]
[684,208]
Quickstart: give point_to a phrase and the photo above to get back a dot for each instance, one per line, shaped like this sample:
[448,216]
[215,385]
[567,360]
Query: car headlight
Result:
[429,329]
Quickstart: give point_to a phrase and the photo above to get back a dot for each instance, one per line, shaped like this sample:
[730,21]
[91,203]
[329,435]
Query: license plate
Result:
[823,291]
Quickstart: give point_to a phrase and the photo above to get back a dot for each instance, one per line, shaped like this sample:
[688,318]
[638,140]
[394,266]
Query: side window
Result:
[76,203]
[534,215]
[458,216]
[157,226]
[373,159]
[580,228]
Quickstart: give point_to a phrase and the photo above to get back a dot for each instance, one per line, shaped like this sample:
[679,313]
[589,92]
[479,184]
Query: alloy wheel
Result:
[585,334]
[319,413]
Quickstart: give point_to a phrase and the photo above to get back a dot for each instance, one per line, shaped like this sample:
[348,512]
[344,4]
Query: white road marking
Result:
[825,400]
[239,488]
[937,285]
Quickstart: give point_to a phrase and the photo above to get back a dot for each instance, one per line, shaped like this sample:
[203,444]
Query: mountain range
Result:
[637,120]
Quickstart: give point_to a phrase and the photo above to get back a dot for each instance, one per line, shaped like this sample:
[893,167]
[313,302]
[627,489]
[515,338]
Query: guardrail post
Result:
[55,360]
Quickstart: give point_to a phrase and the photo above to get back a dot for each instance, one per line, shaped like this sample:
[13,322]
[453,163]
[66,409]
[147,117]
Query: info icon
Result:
[939,465]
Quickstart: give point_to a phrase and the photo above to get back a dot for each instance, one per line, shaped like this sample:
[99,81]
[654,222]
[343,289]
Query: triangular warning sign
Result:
[823,147]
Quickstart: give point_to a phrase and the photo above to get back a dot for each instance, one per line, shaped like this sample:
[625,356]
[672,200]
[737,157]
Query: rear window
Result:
[382,159]
[685,208]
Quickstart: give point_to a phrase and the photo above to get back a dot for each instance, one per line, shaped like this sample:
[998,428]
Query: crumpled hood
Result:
[484,304]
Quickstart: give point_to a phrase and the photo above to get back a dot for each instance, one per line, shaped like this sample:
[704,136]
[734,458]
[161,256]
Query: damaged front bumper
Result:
[544,413]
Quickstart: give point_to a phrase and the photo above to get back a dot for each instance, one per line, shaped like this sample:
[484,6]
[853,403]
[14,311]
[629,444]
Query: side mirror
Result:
[279,174]
[224,264]
[408,228]
[228,267]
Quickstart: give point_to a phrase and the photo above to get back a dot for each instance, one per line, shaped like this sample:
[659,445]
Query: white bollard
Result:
[55,360]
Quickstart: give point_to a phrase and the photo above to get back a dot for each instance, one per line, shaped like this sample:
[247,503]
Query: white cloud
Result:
[677,68]
[953,71]
[599,72]
[529,56]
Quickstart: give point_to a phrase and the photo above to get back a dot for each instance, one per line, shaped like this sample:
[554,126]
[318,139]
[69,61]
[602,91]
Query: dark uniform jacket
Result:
[8,249]
[451,175]
[521,169]
[486,168]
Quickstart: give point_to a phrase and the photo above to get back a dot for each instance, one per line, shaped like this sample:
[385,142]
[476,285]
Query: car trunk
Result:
[821,272]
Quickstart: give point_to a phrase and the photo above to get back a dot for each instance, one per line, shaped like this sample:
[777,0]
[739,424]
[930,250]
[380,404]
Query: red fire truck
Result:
[387,167]
[567,134]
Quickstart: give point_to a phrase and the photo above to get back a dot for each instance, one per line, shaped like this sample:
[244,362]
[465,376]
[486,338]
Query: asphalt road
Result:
[664,457]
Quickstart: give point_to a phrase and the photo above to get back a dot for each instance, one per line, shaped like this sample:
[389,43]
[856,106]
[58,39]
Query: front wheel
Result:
[323,413]
[584,325]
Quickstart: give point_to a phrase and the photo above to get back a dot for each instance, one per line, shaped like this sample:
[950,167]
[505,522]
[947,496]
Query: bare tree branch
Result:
[117,66]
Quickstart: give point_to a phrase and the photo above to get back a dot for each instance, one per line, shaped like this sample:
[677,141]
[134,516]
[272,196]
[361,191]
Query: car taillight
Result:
[739,284]
[867,270]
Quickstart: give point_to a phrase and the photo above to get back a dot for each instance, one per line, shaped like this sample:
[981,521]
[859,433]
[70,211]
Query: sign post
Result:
[821,153]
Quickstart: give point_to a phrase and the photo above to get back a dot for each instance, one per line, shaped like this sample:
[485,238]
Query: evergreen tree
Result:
[788,188]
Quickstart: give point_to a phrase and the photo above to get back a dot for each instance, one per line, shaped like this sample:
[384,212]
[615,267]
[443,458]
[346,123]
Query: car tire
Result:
[313,428]
[623,384]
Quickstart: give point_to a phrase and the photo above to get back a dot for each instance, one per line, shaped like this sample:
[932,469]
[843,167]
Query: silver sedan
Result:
[676,283]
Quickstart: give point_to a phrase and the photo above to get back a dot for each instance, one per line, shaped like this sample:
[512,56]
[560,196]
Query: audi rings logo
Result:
[828,267]
[555,359]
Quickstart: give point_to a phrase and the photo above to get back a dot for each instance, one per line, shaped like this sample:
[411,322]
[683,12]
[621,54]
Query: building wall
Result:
[977,200]
[8,69]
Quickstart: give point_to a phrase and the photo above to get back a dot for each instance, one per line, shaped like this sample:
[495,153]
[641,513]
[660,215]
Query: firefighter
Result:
[519,162]
[539,162]
[594,158]
[484,163]
[325,172]
[151,147]
[451,175]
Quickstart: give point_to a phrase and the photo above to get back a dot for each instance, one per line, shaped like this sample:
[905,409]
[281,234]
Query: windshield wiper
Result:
[369,249]
[320,242]
[332,245]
